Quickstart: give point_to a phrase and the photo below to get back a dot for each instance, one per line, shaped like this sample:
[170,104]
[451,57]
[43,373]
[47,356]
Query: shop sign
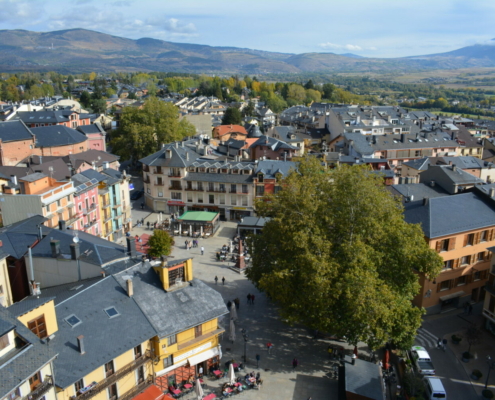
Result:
[239,208]
[192,352]
[175,203]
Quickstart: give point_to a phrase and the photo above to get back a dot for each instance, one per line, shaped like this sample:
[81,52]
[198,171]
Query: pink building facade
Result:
[87,205]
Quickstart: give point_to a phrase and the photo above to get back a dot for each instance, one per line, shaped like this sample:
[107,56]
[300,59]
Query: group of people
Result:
[216,280]
[335,352]
[236,301]
[192,243]
[250,298]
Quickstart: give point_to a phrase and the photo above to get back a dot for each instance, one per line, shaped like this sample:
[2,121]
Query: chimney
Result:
[425,201]
[75,251]
[402,137]
[432,183]
[187,156]
[55,246]
[106,165]
[131,246]
[62,225]
[176,145]
[454,167]
[80,344]
[130,288]
[13,179]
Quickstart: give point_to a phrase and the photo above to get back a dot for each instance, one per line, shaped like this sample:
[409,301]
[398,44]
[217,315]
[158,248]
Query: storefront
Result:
[175,206]
[238,213]
[197,223]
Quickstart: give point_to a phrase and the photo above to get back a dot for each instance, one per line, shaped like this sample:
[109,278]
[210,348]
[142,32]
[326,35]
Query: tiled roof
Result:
[57,135]
[14,130]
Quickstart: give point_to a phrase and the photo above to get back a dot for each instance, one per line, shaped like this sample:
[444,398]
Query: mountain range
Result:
[81,50]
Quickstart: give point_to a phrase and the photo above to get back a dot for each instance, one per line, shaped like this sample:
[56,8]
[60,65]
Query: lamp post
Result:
[245,336]
[491,365]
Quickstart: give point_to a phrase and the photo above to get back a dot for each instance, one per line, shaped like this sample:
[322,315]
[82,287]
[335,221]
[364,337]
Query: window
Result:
[211,199]
[78,386]
[477,276]
[198,331]
[148,190]
[35,381]
[189,197]
[188,185]
[4,341]
[233,188]
[277,189]
[465,260]
[244,188]
[447,264]
[160,194]
[211,186]
[221,198]
[176,195]
[112,392]
[200,186]
[109,370]
[159,181]
[38,327]
[112,312]
[72,320]
[461,281]
[171,340]
[168,361]
[222,187]
[15,394]
[233,200]
[260,190]
[176,275]
[200,197]
[140,374]
[469,240]
[138,352]
[481,256]
[260,178]
[484,236]
[445,285]
[244,201]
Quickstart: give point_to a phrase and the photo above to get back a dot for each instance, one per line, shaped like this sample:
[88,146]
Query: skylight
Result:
[73,321]
[112,312]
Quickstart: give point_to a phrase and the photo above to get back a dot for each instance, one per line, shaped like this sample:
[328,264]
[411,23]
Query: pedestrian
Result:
[216,280]
[269,346]
[200,371]
[236,301]
[295,363]
[470,309]
[142,206]
[252,299]
[148,224]
[202,250]
[249,298]
[223,280]
[330,351]
[185,243]
[229,304]
[258,360]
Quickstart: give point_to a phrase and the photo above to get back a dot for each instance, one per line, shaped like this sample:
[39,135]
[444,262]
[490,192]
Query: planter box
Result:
[466,360]
[474,377]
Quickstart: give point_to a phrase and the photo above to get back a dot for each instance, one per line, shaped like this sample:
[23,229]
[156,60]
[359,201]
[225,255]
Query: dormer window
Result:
[192,169]
[168,154]
[278,176]
[225,171]
[202,169]
[213,170]
[260,177]
[235,171]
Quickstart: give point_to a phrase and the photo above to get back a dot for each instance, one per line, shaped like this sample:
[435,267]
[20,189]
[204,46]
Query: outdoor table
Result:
[211,396]
[188,386]
[176,232]
[207,234]
[217,372]
[176,392]
[237,384]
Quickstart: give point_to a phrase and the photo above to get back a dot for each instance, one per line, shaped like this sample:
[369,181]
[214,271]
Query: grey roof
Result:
[90,129]
[270,168]
[418,191]
[272,143]
[45,116]
[90,156]
[21,363]
[5,326]
[419,164]
[17,237]
[220,178]
[103,336]
[33,177]
[464,162]
[83,183]
[14,130]
[253,131]
[57,135]
[174,311]
[60,293]
[92,174]
[446,173]
[27,304]
[99,251]
[178,156]
[364,379]
[470,210]
[253,221]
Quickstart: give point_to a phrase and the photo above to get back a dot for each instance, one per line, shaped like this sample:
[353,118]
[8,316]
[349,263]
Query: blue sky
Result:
[379,28]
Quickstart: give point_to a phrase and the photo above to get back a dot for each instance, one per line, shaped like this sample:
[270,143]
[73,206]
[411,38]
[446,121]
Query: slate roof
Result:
[418,191]
[178,157]
[253,221]
[420,164]
[465,162]
[90,129]
[272,143]
[44,117]
[28,304]
[270,168]
[175,311]
[470,210]
[17,237]
[16,368]
[447,173]
[100,251]
[103,338]
[92,174]
[57,135]
[60,293]
[11,131]
[33,177]
[220,178]
[364,379]
[98,156]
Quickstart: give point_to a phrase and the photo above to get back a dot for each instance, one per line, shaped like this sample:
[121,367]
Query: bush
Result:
[466,355]
[487,394]
[477,373]
[456,338]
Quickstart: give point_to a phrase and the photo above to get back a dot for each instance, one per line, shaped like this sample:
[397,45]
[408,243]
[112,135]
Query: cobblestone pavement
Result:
[281,381]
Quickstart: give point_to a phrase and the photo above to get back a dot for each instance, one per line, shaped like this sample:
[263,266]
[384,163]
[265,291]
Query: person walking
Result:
[252,299]
[295,363]
[185,243]
[258,358]
[269,346]
[223,280]
[249,298]
[148,224]
[202,250]
[236,301]
[216,280]
[229,304]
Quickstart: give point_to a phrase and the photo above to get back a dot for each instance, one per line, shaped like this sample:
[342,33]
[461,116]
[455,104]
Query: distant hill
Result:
[81,50]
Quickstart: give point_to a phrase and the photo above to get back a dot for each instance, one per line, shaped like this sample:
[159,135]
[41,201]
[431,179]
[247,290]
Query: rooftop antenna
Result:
[50,169]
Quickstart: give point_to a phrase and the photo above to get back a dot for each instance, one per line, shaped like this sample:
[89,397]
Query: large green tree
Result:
[338,256]
[143,130]
[232,116]
[160,243]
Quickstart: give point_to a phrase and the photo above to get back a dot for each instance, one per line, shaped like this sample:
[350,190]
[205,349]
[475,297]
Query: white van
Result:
[434,388]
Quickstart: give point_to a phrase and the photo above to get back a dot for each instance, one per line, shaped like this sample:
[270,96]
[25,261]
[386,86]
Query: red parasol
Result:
[386,359]
[355,351]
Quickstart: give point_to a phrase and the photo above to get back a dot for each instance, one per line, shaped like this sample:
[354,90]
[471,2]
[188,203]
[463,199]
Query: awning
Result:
[171,368]
[151,393]
[452,296]
[175,203]
[205,355]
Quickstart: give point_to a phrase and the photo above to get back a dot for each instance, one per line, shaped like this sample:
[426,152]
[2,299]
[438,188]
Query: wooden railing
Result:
[40,390]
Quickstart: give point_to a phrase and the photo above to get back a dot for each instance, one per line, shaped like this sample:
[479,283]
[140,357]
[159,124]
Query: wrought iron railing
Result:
[40,390]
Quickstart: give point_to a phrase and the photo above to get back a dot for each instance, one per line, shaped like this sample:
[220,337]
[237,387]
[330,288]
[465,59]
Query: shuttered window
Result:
[38,327]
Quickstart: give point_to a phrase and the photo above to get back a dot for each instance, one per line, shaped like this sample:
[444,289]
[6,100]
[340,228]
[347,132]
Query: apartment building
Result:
[39,194]
[87,206]
[461,228]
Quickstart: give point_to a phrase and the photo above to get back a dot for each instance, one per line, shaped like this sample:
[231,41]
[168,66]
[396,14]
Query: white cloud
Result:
[351,47]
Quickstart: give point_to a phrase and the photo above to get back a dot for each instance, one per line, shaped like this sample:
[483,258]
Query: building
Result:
[39,194]
[267,176]
[17,142]
[86,204]
[450,177]
[65,117]
[178,179]
[6,298]
[96,136]
[460,228]
[59,141]
[269,148]
[228,132]
[26,364]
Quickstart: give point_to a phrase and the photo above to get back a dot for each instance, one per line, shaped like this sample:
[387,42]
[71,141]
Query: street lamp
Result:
[245,336]
[491,365]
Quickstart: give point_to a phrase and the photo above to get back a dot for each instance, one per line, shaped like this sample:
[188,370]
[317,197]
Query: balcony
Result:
[176,187]
[91,208]
[158,171]
[160,184]
[137,389]
[99,387]
[174,174]
[105,204]
[191,189]
[90,224]
[118,216]
[116,206]
[107,218]
[205,336]
[73,218]
[41,390]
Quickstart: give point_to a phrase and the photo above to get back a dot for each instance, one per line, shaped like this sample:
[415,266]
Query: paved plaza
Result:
[281,381]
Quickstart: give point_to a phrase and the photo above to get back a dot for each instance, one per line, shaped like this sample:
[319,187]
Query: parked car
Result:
[136,194]
[434,388]
[422,360]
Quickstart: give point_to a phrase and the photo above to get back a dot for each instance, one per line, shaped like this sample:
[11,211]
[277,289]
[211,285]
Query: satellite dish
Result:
[76,238]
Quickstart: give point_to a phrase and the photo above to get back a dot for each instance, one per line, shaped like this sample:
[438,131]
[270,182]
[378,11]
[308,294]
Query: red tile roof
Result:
[222,130]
